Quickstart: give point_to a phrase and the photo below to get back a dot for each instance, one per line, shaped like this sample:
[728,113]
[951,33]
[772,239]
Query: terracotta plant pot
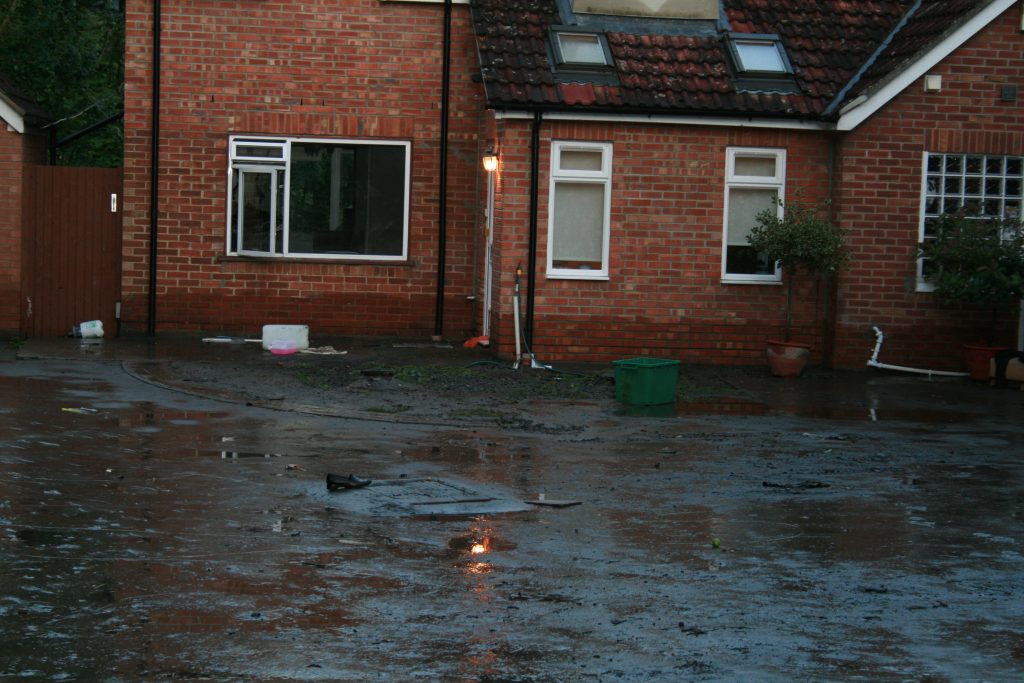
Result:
[979,360]
[787,359]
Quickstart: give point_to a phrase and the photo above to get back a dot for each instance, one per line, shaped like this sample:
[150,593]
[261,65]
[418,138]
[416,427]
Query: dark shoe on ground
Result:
[337,481]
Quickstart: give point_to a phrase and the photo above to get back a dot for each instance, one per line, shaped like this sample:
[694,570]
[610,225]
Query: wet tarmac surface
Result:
[859,527]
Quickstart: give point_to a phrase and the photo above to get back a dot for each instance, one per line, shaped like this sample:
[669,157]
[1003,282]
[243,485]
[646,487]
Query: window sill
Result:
[234,258]
[573,276]
[751,281]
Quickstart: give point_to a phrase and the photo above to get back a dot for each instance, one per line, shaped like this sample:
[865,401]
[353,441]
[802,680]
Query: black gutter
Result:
[154,174]
[442,199]
[531,272]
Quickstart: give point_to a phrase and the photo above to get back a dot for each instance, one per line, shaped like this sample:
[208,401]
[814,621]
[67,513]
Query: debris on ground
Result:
[337,481]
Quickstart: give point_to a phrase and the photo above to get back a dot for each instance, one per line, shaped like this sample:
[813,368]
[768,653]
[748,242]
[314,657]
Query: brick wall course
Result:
[318,68]
[880,194]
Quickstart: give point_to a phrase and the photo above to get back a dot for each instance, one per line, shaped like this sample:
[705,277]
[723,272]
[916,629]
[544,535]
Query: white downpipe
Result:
[873,362]
[488,266]
[515,318]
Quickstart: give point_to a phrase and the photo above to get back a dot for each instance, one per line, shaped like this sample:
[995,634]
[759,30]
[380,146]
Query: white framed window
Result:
[761,55]
[323,198]
[755,180]
[980,186]
[579,210]
[581,49]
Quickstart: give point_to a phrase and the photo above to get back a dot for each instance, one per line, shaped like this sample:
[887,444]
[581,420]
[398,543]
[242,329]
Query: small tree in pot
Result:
[802,239]
[976,261]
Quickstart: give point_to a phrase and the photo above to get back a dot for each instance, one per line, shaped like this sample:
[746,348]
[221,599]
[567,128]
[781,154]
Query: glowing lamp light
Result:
[490,160]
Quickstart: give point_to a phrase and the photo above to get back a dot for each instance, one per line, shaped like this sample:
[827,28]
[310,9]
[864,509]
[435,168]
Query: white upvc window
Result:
[318,198]
[976,185]
[755,180]
[579,210]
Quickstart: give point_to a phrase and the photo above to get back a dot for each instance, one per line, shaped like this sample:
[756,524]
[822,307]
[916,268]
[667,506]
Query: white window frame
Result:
[282,165]
[733,181]
[601,177]
[947,201]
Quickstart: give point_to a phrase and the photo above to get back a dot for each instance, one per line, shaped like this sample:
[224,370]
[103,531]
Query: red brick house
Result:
[307,171]
[22,142]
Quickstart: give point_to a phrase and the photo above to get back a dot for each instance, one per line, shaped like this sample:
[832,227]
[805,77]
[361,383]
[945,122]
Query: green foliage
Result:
[803,239]
[68,56]
[976,261]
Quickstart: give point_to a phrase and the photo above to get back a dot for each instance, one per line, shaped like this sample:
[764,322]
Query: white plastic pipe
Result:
[515,318]
[873,362]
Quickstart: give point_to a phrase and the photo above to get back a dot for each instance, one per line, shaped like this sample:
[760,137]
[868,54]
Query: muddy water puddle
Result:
[169,538]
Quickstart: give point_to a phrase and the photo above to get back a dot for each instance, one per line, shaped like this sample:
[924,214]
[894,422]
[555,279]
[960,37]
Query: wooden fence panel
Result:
[71,249]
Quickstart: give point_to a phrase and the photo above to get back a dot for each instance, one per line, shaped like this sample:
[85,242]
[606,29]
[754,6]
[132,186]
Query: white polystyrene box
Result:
[291,336]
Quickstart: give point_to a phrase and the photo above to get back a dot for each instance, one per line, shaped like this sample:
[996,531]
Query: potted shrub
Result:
[804,240]
[977,262]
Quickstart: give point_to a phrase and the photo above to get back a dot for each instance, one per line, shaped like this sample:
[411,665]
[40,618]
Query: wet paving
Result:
[148,534]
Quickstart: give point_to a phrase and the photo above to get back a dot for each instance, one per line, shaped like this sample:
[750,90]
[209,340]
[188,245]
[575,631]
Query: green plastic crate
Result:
[645,381]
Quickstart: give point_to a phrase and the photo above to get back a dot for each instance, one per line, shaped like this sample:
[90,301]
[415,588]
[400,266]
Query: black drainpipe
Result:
[154,174]
[442,198]
[531,271]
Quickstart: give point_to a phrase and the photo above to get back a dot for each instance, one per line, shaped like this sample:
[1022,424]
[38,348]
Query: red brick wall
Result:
[16,150]
[880,195]
[324,68]
[10,229]
[664,296]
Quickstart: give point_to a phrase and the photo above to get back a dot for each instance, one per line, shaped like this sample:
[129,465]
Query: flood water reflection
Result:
[147,535]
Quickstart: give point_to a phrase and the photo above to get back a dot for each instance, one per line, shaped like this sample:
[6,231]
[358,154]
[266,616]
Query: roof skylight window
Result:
[577,49]
[758,55]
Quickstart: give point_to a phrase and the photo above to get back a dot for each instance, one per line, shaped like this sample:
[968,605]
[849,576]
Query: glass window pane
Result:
[759,56]
[579,48]
[994,165]
[260,151]
[744,205]
[255,194]
[953,163]
[975,164]
[1013,166]
[972,186]
[347,199]
[935,163]
[759,166]
[579,160]
[578,226]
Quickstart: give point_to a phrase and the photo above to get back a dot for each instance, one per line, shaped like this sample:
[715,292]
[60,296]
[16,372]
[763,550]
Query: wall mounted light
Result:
[490,160]
[933,83]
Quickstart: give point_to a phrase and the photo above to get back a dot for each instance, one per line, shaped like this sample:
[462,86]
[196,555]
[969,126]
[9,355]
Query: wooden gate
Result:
[71,249]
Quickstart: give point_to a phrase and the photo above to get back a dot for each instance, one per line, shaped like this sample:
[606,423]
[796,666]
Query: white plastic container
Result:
[285,337]
[91,329]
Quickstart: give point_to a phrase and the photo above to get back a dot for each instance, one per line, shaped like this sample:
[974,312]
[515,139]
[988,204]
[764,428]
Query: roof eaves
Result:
[841,95]
[875,97]
[11,113]
[646,115]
